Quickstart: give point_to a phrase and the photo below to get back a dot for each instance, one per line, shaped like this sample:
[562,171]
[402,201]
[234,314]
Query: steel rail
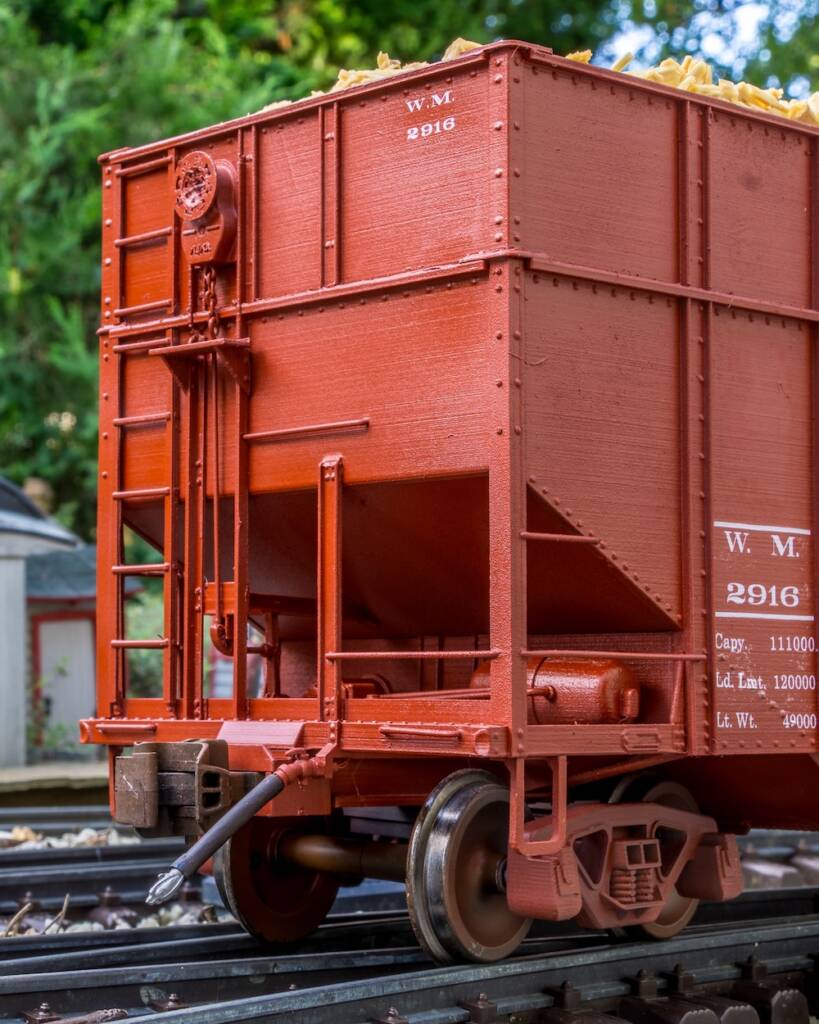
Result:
[712,955]
[356,969]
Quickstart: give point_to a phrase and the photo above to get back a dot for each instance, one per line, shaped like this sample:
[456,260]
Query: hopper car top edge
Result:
[543,54]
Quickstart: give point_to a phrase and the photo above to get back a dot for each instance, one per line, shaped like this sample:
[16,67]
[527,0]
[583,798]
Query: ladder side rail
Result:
[191,598]
[171,583]
[241,547]
[170,555]
[329,669]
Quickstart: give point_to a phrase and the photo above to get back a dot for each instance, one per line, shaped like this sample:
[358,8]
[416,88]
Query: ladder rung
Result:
[560,538]
[143,307]
[195,348]
[148,569]
[136,421]
[138,346]
[144,236]
[133,645]
[143,168]
[146,492]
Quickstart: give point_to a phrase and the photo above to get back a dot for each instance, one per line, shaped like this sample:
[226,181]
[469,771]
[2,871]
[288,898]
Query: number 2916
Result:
[423,131]
[771,596]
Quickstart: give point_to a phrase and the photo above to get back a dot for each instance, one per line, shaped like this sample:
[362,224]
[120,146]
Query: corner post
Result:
[329,586]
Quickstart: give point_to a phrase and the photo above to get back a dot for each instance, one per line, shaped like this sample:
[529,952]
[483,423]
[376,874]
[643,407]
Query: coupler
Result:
[188,863]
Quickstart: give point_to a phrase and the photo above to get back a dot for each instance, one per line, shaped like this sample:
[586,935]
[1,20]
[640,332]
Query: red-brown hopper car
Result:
[486,395]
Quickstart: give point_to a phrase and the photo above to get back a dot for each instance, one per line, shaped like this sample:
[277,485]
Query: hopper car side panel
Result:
[728,481]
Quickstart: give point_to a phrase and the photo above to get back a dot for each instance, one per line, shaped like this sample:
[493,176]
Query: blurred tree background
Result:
[78,77]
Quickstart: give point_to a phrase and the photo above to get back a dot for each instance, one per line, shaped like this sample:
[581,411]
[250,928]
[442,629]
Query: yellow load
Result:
[692,74]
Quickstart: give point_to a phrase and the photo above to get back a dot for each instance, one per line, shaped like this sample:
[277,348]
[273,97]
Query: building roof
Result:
[48,529]
[19,514]
[14,499]
[62,575]
[66,575]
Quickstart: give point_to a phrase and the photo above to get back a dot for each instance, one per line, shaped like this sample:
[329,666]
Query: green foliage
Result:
[144,616]
[81,77]
[71,88]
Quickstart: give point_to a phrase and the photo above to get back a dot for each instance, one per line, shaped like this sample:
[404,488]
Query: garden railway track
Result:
[371,969]
[365,965]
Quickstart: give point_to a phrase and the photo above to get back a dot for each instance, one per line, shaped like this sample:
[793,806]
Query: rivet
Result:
[108,184]
[498,172]
[498,125]
[107,313]
[499,383]
[499,430]
[105,435]
[498,236]
[107,300]
[499,219]
[517,430]
[104,474]
[108,261]
[498,79]
[108,222]
[516,172]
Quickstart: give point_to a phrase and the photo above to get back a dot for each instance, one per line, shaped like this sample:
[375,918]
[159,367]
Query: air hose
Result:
[188,863]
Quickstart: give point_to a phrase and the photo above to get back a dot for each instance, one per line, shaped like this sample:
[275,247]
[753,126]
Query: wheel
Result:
[275,902]
[678,910]
[458,844]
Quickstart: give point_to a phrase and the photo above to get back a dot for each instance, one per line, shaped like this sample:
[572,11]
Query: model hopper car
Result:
[470,414]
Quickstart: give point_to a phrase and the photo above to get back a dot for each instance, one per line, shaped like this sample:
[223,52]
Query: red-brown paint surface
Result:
[500,299]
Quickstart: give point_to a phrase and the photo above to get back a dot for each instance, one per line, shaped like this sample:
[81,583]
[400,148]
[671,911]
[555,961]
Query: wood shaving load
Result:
[692,74]
[386,67]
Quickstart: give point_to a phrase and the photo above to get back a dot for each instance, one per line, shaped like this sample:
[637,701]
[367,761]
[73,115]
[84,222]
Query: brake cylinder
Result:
[565,692]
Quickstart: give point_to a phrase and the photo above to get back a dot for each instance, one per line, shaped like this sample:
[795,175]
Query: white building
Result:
[24,531]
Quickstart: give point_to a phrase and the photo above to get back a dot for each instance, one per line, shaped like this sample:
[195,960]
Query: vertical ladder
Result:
[168,567]
[196,366]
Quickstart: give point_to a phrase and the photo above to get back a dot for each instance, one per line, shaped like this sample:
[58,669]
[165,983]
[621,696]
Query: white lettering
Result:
[423,131]
[734,644]
[749,682]
[783,550]
[438,101]
[737,541]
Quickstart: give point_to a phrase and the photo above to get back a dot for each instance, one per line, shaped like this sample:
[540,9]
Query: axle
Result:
[354,858]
